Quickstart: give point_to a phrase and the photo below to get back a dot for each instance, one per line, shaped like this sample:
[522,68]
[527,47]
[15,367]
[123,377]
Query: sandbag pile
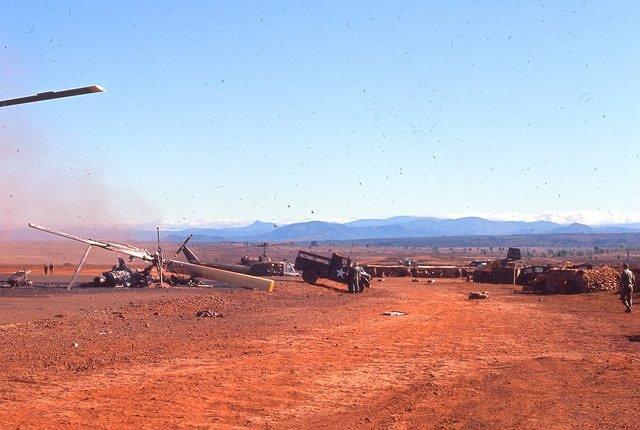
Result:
[416,272]
[603,279]
[387,271]
[570,281]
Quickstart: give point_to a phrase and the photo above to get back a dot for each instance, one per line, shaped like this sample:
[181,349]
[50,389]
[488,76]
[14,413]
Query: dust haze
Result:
[72,194]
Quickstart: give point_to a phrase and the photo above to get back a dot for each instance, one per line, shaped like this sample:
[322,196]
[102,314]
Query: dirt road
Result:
[313,357]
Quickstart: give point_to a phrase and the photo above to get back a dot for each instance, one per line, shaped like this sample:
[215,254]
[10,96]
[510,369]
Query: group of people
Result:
[48,268]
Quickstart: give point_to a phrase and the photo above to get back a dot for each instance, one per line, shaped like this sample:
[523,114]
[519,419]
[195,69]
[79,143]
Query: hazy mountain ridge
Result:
[400,227]
[396,227]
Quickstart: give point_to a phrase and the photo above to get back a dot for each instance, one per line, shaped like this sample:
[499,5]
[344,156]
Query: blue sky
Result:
[232,111]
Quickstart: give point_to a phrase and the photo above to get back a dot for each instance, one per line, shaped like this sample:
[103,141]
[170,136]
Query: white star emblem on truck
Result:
[340,273]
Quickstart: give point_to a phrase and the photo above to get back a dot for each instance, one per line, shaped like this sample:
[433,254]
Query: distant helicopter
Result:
[261,266]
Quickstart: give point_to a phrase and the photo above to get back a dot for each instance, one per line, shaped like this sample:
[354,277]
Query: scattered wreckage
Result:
[156,261]
[478,295]
[394,313]
[122,276]
[208,313]
[20,279]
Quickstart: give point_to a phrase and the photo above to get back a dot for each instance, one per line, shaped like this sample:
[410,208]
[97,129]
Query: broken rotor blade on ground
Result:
[220,275]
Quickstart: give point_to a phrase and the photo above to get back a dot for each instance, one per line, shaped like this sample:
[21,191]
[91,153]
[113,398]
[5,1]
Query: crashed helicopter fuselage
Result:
[155,259]
[262,266]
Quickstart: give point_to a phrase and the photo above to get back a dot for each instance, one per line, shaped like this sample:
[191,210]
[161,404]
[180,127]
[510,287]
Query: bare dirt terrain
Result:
[315,357]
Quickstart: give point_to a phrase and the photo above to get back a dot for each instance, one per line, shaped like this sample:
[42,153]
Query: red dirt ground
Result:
[315,357]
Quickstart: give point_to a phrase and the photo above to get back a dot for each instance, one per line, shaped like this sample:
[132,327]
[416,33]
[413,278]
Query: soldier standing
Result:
[358,285]
[627,279]
[46,268]
[361,279]
[51,268]
[365,279]
[352,278]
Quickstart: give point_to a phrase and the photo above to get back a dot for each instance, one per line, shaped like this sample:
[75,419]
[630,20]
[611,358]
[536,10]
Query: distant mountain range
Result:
[396,227]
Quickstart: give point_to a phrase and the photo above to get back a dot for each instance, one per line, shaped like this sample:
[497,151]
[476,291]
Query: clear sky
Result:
[289,111]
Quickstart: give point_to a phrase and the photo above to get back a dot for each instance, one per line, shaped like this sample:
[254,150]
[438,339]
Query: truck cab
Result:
[314,266]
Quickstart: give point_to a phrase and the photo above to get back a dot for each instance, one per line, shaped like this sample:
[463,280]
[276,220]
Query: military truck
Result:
[337,268]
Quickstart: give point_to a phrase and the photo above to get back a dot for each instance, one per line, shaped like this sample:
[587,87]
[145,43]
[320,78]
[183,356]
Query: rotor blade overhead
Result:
[66,235]
[130,250]
[50,95]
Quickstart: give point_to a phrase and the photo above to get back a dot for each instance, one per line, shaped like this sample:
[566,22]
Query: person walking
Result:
[46,268]
[51,268]
[627,279]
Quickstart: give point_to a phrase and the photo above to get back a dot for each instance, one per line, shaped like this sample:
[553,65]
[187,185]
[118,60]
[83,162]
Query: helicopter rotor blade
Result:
[49,95]
[220,275]
[183,245]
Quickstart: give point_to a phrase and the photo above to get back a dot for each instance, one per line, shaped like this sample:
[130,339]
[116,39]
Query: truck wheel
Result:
[310,276]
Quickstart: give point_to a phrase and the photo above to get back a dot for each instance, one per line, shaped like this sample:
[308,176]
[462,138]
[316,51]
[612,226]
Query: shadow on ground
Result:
[329,287]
